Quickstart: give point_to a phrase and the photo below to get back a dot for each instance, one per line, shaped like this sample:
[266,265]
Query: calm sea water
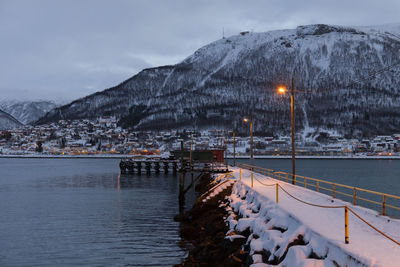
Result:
[68,212]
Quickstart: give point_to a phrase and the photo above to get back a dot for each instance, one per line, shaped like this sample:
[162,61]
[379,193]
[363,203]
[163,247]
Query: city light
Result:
[282,90]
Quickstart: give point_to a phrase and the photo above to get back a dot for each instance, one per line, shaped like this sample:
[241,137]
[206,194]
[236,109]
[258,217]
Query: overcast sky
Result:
[63,50]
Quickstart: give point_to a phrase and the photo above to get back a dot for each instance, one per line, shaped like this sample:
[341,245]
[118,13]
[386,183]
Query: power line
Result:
[369,77]
[373,75]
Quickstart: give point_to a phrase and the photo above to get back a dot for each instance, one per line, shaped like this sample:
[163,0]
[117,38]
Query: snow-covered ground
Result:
[322,228]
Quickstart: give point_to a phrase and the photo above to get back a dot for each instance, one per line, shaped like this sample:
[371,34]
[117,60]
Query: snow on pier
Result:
[321,230]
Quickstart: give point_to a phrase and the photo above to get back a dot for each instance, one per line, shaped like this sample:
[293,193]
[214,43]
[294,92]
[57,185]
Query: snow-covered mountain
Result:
[8,122]
[27,111]
[233,77]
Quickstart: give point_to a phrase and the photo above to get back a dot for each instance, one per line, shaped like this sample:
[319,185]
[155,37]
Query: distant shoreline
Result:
[230,157]
[316,157]
[69,156]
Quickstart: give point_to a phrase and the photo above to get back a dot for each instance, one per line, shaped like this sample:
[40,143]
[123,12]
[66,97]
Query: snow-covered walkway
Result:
[366,245]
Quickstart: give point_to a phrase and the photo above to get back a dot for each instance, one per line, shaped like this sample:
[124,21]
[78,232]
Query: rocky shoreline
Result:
[206,233]
[203,231]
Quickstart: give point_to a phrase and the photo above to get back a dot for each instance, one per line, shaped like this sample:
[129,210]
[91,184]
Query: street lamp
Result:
[283,90]
[251,137]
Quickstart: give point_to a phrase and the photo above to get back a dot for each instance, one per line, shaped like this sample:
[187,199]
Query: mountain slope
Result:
[233,77]
[27,111]
[8,122]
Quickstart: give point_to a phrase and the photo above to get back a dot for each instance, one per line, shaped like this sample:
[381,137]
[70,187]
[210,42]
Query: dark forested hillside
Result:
[7,121]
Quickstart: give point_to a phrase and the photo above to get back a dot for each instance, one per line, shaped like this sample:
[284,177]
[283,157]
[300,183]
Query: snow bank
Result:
[293,234]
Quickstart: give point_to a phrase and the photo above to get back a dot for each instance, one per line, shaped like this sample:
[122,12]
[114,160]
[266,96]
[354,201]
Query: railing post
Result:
[305,182]
[252,179]
[384,205]
[273,175]
[355,196]
[333,190]
[286,177]
[277,192]
[346,225]
[317,186]
[294,179]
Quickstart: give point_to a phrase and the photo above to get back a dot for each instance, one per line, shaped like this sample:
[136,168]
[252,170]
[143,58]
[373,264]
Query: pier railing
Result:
[368,198]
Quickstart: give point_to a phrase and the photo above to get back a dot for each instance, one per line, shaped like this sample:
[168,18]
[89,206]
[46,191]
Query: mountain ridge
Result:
[7,121]
[232,77]
[27,112]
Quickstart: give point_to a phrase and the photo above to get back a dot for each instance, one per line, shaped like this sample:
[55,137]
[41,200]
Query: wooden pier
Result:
[201,162]
[131,166]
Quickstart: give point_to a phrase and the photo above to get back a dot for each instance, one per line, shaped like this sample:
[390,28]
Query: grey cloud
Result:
[72,48]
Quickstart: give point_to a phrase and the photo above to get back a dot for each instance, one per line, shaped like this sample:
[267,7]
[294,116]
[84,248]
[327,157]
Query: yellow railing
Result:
[337,190]
[346,208]
[222,179]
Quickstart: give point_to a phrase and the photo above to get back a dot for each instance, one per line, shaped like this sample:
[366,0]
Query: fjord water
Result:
[379,175]
[82,212]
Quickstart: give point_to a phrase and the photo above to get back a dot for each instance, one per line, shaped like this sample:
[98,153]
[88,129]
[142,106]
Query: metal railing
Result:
[376,200]
[346,210]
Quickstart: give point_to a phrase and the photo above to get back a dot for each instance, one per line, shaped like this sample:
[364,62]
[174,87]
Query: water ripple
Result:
[56,212]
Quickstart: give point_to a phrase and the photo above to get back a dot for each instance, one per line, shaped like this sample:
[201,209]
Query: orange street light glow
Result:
[245,119]
[282,90]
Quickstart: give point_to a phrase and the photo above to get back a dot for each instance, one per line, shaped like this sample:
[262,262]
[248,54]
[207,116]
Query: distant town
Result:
[104,137]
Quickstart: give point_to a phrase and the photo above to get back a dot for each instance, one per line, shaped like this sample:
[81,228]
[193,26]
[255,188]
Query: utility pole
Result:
[226,151]
[293,141]
[251,140]
[182,183]
[234,149]
[182,161]
[190,155]
[251,136]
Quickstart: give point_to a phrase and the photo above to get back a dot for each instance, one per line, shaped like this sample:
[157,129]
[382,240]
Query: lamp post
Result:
[283,90]
[251,138]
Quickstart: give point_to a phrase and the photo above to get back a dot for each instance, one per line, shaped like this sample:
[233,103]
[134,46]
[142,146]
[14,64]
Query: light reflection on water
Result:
[82,212]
